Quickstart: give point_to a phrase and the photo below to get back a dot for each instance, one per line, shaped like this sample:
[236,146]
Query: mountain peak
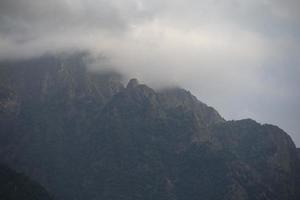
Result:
[133,83]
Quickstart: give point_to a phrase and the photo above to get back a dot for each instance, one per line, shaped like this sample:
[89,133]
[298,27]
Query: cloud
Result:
[240,56]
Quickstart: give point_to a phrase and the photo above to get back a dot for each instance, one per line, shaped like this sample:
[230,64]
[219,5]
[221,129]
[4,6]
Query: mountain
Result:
[84,135]
[14,186]
[298,174]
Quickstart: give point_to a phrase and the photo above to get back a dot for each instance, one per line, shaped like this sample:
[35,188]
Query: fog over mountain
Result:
[241,56]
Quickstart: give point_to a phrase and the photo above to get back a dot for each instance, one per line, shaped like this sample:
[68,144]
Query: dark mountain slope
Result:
[14,186]
[265,158]
[48,109]
[298,174]
[86,136]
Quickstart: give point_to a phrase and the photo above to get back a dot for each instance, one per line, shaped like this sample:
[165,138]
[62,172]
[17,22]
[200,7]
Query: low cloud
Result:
[239,56]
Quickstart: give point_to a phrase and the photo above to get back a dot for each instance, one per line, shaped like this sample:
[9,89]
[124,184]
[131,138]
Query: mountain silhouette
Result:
[85,135]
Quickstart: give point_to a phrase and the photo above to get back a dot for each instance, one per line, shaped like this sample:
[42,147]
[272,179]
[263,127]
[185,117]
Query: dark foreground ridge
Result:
[15,186]
[86,136]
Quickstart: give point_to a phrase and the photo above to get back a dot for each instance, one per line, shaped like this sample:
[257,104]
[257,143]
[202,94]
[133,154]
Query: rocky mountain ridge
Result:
[84,135]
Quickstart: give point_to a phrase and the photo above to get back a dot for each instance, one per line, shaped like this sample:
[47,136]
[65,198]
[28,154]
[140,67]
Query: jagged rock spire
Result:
[132,83]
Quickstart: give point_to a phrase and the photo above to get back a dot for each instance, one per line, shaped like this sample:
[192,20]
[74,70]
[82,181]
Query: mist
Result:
[239,56]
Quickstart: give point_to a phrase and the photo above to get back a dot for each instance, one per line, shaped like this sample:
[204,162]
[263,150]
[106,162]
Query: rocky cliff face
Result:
[86,136]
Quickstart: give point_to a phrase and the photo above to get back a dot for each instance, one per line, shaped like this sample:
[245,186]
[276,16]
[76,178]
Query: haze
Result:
[239,56]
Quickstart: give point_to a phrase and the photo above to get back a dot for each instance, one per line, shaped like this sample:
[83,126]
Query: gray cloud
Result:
[240,56]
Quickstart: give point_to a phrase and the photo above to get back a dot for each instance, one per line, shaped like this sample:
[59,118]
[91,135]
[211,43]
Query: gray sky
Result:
[240,56]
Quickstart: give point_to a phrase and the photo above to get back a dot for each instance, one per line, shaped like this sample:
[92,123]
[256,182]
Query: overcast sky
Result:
[240,56]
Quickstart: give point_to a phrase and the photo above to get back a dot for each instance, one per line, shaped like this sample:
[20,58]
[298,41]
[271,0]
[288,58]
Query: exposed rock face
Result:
[265,158]
[14,186]
[86,136]
[180,98]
